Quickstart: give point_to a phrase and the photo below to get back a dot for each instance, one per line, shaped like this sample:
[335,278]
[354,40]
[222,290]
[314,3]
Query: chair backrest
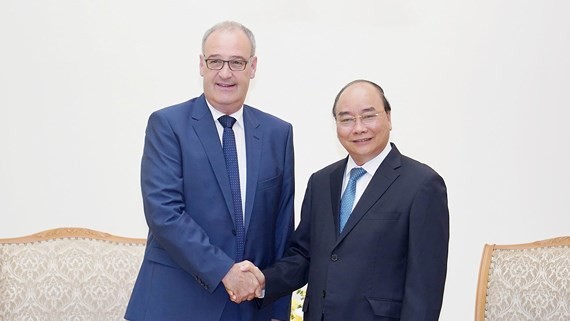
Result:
[68,274]
[525,282]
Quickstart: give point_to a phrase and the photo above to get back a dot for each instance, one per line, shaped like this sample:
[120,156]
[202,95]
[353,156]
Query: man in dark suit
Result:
[375,249]
[216,191]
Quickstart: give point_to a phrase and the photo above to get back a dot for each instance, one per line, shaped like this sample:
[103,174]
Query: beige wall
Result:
[478,89]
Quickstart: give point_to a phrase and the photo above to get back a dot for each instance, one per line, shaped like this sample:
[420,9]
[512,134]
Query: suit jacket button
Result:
[334,257]
[324,294]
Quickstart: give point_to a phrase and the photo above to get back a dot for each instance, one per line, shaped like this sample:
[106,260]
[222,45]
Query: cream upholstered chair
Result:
[525,282]
[67,274]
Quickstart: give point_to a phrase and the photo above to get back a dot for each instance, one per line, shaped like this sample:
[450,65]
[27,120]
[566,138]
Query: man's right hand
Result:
[248,267]
[244,281]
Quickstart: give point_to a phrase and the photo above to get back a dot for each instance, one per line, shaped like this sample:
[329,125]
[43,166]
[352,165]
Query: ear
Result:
[253,67]
[389,116]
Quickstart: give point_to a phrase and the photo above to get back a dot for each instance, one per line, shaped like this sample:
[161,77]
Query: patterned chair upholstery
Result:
[67,274]
[525,282]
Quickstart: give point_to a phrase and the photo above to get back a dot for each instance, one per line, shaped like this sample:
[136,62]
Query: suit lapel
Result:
[253,144]
[383,178]
[336,188]
[205,129]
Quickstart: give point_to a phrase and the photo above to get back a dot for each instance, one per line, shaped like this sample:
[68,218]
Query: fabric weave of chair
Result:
[68,274]
[526,282]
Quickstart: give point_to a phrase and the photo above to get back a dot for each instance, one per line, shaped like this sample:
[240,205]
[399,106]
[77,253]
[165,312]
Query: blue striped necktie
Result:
[347,199]
[230,155]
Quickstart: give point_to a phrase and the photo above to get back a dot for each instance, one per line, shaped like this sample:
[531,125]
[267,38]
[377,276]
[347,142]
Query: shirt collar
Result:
[371,166]
[238,115]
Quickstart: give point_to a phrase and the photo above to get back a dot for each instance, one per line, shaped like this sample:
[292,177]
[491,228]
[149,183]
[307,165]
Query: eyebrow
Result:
[230,58]
[365,110]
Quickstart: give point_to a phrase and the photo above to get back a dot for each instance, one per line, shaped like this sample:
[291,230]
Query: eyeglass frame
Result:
[224,62]
[349,122]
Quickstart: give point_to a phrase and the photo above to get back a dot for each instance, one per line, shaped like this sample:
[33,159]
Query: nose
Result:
[225,72]
[359,126]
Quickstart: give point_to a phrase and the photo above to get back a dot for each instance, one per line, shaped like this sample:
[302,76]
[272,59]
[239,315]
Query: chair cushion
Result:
[529,285]
[67,279]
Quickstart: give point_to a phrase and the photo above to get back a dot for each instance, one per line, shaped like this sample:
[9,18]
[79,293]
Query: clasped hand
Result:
[244,281]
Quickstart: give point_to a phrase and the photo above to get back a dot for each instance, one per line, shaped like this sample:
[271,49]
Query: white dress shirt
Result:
[239,133]
[370,167]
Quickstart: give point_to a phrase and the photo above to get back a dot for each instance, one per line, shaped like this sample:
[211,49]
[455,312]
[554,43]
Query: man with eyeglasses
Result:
[217,181]
[373,238]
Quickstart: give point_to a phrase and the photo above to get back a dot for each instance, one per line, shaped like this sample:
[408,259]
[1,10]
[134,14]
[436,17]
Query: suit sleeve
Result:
[427,252]
[285,222]
[292,271]
[165,211]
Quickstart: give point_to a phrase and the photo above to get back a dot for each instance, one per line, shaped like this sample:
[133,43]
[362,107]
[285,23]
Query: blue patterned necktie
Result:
[347,199]
[230,154]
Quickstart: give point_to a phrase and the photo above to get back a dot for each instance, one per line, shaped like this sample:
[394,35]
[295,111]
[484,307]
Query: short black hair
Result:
[387,106]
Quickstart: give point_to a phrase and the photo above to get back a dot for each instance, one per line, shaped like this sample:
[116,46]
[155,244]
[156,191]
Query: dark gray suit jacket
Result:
[390,261]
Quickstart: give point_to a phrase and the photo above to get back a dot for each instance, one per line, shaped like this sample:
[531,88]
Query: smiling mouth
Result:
[225,85]
[362,140]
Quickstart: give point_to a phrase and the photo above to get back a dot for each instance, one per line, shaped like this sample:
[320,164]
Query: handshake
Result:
[244,281]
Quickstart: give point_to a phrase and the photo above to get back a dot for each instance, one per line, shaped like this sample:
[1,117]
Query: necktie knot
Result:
[227,121]
[357,173]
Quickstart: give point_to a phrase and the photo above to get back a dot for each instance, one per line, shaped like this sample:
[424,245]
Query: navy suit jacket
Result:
[389,262]
[188,208]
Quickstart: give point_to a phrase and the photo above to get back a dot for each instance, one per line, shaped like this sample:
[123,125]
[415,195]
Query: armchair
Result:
[525,282]
[67,274]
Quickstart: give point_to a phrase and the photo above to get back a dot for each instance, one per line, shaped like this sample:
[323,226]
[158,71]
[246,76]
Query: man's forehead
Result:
[227,48]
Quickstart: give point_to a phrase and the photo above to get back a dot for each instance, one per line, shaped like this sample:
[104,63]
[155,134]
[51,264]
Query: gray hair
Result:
[227,26]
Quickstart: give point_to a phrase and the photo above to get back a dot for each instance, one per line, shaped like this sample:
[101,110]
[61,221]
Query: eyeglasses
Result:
[349,121]
[234,65]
